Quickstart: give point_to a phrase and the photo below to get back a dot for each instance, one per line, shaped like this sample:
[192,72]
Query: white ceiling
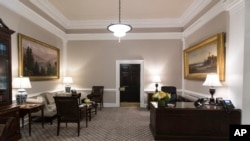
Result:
[98,14]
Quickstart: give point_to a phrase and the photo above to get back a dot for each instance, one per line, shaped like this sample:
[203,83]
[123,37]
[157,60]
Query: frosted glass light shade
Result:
[119,29]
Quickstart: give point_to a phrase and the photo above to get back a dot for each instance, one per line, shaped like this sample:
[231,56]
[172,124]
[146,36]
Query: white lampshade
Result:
[156,79]
[212,80]
[21,83]
[67,80]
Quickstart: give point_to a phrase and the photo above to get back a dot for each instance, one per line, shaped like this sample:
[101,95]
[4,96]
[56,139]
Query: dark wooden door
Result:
[129,82]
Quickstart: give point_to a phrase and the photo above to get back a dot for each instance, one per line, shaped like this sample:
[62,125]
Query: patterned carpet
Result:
[110,124]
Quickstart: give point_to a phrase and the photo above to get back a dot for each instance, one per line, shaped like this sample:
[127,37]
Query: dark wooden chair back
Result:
[97,95]
[67,111]
[97,90]
[172,91]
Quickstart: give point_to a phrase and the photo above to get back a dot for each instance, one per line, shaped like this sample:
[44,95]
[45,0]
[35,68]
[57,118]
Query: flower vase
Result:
[161,103]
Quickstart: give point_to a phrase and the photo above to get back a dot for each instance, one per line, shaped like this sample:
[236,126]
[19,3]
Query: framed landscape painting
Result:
[205,57]
[37,60]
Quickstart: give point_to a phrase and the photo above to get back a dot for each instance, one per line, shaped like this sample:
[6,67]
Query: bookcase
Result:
[5,65]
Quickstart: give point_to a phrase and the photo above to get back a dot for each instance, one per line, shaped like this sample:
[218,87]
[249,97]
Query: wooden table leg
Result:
[22,121]
[29,123]
[86,115]
[42,113]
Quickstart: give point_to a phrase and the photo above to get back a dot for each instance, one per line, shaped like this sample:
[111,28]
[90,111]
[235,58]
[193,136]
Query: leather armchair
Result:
[97,95]
[172,91]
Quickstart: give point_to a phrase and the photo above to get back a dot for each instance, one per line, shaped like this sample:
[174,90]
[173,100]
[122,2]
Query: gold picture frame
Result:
[205,57]
[37,60]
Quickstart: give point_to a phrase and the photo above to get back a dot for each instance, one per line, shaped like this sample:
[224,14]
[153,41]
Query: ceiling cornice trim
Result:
[22,10]
[130,36]
[146,23]
[50,10]
[191,12]
[225,5]
[196,7]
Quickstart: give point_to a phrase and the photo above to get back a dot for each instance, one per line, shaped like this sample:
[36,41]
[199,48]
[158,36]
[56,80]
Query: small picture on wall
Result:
[206,57]
[37,60]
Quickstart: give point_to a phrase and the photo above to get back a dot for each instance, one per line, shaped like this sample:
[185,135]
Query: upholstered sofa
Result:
[46,98]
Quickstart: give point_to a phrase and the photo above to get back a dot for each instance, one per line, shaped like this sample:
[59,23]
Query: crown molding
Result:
[130,36]
[196,7]
[223,5]
[22,10]
[19,8]
[50,10]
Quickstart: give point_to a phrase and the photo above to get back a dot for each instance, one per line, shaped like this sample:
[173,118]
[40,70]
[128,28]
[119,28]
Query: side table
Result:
[91,108]
[28,109]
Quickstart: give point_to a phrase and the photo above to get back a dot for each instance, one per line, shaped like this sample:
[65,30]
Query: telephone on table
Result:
[227,104]
[200,102]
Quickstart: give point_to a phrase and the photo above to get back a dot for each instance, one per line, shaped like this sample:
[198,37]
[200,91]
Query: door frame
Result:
[141,62]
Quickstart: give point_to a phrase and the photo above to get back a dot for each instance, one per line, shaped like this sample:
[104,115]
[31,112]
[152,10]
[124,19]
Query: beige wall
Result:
[21,25]
[94,62]
[217,25]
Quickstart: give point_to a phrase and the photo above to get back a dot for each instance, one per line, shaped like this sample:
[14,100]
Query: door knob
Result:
[122,88]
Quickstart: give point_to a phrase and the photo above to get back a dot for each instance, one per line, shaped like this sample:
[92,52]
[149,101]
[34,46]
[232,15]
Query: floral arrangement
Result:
[161,97]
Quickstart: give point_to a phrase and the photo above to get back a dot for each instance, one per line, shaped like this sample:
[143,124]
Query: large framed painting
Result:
[205,57]
[37,60]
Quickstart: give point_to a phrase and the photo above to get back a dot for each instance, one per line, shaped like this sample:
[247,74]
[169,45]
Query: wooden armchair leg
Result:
[58,128]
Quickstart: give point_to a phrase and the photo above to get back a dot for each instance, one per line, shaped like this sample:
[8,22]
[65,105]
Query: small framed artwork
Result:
[37,60]
[205,57]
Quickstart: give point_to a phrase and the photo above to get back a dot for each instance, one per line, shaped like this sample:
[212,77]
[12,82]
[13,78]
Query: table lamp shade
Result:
[212,80]
[67,80]
[156,79]
[21,83]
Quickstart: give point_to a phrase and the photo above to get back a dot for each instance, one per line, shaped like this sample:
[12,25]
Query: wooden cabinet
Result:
[12,111]
[7,109]
[5,65]
[185,122]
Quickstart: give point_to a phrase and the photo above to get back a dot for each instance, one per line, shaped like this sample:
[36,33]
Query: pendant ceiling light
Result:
[119,29]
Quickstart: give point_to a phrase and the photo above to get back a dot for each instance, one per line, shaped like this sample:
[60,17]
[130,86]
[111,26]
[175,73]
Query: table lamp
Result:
[21,83]
[67,81]
[156,80]
[212,80]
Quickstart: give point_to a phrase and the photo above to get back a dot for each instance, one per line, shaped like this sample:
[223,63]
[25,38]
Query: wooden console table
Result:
[185,122]
[28,109]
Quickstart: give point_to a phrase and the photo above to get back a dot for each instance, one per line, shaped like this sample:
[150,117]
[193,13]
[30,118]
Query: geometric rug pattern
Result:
[110,124]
